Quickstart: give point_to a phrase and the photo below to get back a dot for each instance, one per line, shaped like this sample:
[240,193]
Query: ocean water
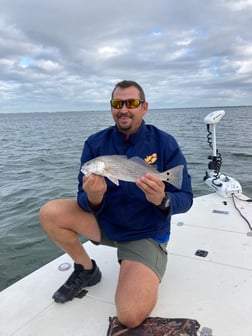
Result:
[39,161]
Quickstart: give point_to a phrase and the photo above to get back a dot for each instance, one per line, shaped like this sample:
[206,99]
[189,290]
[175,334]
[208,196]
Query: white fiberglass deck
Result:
[216,289]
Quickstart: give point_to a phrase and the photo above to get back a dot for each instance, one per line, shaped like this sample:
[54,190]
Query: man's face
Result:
[128,120]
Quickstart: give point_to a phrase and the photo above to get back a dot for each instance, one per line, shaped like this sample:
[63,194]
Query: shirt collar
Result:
[132,138]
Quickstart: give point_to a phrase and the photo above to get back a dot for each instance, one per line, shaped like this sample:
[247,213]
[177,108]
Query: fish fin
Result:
[173,176]
[113,179]
[112,157]
[143,163]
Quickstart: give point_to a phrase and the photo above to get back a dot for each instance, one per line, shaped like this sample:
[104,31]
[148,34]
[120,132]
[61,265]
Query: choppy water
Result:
[39,160]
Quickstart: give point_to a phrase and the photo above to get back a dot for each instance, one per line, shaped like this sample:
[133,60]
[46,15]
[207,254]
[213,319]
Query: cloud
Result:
[62,55]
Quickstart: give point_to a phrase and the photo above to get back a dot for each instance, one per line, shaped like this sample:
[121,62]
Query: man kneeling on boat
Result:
[133,217]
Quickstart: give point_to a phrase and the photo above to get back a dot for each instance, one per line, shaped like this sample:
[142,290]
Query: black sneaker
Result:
[75,284]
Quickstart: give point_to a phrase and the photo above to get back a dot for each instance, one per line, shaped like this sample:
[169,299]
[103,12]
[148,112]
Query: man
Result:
[133,217]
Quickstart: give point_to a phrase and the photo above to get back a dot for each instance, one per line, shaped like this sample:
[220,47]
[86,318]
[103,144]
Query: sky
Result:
[62,55]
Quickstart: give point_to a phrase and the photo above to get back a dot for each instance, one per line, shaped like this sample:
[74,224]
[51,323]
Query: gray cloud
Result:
[62,55]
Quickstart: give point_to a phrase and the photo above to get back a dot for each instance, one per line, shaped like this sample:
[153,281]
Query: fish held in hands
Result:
[119,167]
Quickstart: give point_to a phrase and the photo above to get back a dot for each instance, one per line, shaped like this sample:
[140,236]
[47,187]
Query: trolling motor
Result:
[224,185]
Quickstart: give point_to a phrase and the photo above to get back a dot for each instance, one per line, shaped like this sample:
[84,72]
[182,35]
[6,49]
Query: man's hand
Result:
[153,188]
[95,187]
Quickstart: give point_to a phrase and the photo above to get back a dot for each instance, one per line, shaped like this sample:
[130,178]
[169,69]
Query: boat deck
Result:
[215,289]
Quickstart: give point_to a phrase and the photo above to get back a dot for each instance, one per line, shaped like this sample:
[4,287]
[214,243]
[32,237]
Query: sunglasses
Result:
[130,103]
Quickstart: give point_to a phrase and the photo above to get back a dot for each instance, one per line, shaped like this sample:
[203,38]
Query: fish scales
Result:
[119,167]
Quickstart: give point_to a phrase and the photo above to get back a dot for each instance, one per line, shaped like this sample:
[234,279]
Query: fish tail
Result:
[173,176]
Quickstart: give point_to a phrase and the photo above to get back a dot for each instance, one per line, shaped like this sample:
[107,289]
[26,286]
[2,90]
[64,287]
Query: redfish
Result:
[119,167]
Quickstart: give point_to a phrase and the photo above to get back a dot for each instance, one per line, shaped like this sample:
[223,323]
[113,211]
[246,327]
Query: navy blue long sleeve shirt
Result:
[125,213]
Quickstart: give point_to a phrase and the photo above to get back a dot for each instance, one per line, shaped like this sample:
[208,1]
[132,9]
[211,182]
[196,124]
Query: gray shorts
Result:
[146,251]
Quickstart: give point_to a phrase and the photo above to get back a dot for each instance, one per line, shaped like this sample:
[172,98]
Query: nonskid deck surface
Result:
[216,289]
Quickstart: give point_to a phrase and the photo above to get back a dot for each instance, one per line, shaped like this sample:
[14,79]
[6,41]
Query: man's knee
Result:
[43,212]
[131,319]
[48,213]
